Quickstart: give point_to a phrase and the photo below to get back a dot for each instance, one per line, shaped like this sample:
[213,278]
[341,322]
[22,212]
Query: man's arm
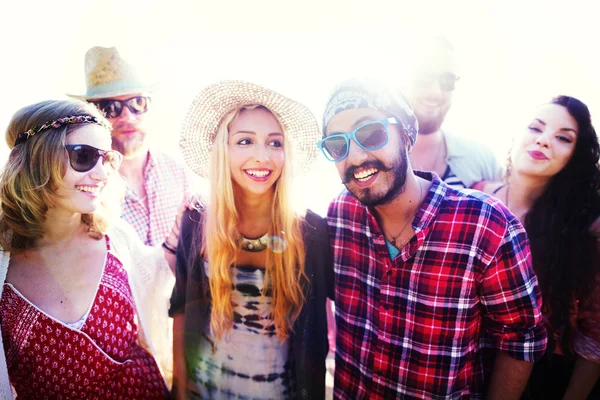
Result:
[509,378]
[513,318]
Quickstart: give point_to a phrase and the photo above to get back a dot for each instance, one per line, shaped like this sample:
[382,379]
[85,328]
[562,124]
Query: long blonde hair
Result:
[284,274]
[34,172]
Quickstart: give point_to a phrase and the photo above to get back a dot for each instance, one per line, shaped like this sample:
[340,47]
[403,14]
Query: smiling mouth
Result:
[365,174]
[258,174]
[93,190]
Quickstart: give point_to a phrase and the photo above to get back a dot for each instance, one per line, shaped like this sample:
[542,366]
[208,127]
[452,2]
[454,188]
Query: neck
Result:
[406,204]
[522,192]
[60,227]
[254,213]
[427,150]
[132,167]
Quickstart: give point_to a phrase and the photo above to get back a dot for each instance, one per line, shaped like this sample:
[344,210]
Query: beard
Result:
[431,123]
[369,196]
[129,146]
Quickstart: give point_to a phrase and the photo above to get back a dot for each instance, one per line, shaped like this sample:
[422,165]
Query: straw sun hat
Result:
[214,102]
[108,74]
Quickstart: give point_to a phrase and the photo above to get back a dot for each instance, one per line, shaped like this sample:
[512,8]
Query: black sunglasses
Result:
[447,80]
[112,108]
[84,157]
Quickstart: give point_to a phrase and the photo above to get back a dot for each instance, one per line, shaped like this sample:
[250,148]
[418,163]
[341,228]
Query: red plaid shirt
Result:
[426,325]
[166,183]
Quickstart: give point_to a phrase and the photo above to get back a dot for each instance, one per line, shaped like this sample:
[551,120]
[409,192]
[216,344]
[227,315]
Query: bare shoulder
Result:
[490,187]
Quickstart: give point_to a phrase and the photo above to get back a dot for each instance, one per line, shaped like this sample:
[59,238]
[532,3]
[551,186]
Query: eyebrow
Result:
[362,120]
[358,122]
[254,133]
[562,129]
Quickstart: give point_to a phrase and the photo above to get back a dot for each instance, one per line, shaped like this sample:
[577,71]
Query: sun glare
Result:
[512,56]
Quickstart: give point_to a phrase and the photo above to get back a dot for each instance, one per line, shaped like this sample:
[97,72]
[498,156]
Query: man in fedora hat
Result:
[156,184]
[435,293]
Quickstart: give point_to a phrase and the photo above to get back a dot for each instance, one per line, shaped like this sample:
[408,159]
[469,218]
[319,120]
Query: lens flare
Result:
[277,244]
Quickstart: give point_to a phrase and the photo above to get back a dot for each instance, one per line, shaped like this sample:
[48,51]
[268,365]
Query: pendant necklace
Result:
[395,238]
[255,245]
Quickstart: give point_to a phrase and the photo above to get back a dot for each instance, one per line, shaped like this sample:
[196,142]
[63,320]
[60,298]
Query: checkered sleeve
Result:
[510,293]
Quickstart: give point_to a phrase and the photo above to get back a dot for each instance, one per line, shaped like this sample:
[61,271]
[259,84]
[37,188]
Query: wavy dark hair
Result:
[564,252]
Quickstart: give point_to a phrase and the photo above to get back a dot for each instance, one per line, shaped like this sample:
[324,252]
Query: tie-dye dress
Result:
[249,363]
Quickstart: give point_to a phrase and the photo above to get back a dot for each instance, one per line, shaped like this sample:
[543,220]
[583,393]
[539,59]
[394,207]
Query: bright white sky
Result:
[513,55]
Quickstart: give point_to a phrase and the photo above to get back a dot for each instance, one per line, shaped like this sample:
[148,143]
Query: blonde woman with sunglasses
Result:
[79,311]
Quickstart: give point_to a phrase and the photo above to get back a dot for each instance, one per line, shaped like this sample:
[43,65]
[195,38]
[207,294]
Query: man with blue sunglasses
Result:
[435,293]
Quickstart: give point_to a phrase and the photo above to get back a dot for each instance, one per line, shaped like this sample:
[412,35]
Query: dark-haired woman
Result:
[552,186]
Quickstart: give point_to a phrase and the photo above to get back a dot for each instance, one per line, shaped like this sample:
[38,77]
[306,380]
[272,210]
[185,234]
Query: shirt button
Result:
[389,272]
[386,307]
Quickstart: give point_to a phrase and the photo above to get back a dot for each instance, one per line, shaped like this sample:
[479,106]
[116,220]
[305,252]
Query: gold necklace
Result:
[394,238]
[255,245]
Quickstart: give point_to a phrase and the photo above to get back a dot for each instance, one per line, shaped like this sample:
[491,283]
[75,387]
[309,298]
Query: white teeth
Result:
[365,174]
[258,173]
[89,189]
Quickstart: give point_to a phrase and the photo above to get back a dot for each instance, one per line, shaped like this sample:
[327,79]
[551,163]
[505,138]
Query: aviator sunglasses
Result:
[113,108]
[370,136]
[84,157]
[447,81]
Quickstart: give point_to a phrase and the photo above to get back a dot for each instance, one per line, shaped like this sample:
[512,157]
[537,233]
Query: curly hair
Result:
[34,172]
[564,252]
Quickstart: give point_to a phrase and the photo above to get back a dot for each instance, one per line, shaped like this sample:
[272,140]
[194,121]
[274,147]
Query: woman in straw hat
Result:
[78,300]
[553,187]
[252,273]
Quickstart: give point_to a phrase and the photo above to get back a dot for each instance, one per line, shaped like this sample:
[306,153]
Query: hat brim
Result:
[113,93]
[214,102]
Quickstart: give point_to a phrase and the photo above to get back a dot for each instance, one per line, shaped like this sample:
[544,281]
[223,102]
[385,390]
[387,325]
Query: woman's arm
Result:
[584,377]
[179,367]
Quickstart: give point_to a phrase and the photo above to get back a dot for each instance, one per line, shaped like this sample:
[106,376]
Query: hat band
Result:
[112,87]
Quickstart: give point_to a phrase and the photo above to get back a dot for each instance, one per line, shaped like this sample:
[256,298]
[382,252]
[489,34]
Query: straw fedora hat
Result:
[214,102]
[107,74]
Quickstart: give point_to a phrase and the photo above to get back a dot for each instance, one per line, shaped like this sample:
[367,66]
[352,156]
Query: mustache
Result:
[349,173]
[125,126]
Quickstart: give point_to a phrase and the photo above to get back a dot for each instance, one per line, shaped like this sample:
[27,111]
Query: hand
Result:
[193,202]
[190,202]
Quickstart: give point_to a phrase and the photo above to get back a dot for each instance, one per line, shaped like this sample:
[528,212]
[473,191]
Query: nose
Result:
[356,154]
[126,114]
[99,172]
[543,139]
[261,154]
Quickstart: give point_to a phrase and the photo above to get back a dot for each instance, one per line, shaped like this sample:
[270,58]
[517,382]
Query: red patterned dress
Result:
[47,359]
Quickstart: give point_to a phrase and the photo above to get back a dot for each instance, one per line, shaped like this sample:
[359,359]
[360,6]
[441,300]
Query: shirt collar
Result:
[429,207]
[454,147]
[150,164]
[433,200]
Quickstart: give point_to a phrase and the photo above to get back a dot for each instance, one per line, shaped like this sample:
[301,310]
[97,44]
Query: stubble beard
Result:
[429,124]
[130,146]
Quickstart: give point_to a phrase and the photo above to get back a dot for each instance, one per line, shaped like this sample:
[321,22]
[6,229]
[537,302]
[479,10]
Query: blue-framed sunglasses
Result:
[371,136]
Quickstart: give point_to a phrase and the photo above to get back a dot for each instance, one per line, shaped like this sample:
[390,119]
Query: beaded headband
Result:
[77,119]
